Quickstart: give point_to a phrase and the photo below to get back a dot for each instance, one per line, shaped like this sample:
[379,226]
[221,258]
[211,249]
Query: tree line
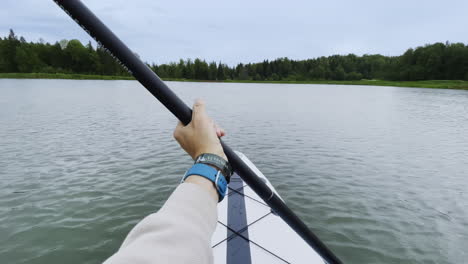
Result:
[18,55]
[439,61]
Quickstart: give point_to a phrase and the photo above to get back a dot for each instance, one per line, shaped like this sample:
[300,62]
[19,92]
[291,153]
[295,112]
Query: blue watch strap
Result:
[211,174]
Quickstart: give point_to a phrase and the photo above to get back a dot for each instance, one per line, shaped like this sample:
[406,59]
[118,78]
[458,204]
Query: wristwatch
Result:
[211,174]
[217,162]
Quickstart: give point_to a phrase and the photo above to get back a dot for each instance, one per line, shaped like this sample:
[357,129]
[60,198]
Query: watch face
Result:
[210,157]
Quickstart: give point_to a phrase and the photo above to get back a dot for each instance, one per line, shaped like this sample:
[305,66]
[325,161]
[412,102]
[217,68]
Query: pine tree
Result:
[221,75]
[212,71]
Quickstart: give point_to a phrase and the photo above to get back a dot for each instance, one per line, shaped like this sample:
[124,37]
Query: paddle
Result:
[96,29]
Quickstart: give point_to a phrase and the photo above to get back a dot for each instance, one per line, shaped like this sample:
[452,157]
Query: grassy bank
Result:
[445,84]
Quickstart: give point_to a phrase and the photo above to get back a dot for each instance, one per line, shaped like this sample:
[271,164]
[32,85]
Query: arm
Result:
[180,232]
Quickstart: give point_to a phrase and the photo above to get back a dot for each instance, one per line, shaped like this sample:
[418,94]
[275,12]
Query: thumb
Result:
[198,111]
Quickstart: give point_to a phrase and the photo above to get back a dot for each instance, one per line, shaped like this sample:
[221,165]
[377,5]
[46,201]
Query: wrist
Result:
[208,177]
[205,184]
[217,162]
[219,153]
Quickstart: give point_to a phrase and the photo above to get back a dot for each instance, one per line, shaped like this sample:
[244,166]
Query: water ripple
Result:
[81,162]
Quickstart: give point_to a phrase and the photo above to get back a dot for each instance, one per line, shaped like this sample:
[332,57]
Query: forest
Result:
[438,61]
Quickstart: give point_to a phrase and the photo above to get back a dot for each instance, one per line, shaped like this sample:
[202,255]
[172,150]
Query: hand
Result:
[201,135]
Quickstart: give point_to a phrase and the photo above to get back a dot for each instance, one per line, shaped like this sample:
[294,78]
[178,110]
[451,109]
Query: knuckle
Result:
[176,134]
[199,103]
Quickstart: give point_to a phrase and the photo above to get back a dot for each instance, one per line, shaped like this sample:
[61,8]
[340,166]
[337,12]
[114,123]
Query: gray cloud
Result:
[250,30]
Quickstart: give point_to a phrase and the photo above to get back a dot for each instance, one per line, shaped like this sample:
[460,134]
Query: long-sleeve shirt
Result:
[180,232]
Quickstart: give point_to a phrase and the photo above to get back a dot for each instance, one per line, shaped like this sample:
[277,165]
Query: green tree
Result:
[354,76]
[200,69]
[11,43]
[339,73]
[189,72]
[212,71]
[27,59]
[221,74]
[275,77]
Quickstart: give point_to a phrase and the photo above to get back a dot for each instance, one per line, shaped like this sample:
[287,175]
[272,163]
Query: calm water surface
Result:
[379,173]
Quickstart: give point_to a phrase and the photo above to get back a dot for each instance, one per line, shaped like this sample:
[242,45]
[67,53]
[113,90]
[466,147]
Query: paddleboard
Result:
[249,232]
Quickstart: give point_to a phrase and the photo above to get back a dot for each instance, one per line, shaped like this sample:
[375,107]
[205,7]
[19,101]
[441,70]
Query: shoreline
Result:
[439,84]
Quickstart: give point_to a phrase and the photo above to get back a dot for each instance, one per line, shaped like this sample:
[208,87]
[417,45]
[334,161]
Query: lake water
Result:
[379,173]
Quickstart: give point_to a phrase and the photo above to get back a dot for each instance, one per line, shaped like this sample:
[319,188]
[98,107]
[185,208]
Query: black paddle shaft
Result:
[96,29]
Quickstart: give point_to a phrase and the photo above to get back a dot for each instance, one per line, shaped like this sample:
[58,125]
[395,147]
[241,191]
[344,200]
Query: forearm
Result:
[205,184]
[180,232]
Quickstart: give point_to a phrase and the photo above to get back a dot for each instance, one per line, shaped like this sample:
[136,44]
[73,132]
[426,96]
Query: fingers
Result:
[200,116]
[219,131]
[199,111]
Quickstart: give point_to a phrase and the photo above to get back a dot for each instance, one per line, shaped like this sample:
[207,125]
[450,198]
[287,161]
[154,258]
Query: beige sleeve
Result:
[180,232]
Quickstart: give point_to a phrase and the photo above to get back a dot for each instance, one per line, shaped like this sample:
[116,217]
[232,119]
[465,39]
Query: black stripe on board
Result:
[238,248]
[259,246]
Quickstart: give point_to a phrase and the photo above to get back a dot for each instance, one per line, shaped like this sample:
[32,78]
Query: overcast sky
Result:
[250,30]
